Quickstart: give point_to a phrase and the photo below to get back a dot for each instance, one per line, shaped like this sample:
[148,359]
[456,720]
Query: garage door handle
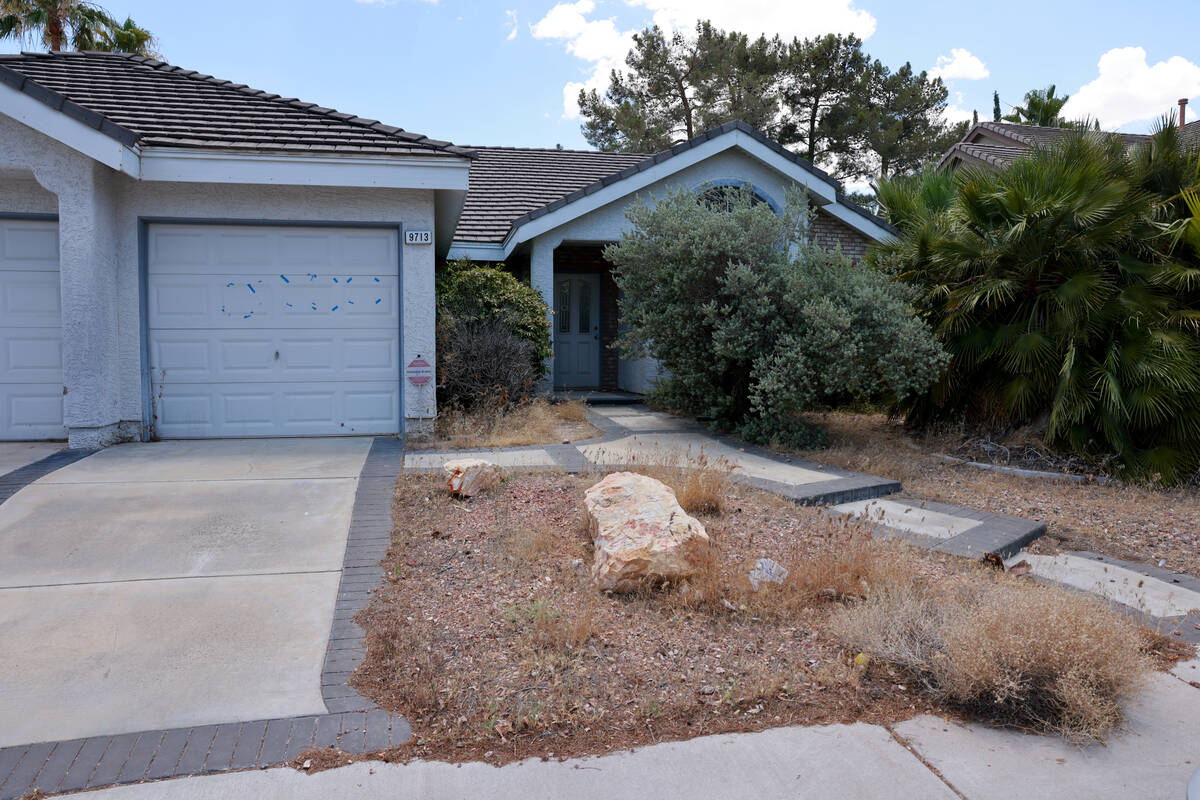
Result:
[276,355]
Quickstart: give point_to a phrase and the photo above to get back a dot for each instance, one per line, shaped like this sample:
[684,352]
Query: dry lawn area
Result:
[491,638]
[536,422]
[1140,524]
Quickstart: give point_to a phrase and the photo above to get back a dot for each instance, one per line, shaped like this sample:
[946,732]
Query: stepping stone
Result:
[909,517]
[1128,587]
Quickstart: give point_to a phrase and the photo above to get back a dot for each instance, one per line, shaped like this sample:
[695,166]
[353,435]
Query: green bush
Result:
[485,313]
[754,324]
[1065,289]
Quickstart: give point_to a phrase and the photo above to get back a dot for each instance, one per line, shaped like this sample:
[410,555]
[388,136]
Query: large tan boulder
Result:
[640,532]
[471,476]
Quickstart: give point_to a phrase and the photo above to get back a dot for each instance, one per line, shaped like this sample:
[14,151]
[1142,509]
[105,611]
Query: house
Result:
[995,144]
[185,257]
[548,214]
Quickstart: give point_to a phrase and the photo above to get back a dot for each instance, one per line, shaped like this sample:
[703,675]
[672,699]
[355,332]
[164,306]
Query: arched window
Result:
[722,195]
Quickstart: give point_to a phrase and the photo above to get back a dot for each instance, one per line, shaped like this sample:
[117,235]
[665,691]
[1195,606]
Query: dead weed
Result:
[537,422]
[1005,649]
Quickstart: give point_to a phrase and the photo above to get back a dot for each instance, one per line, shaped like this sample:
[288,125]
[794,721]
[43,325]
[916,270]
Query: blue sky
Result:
[495,73]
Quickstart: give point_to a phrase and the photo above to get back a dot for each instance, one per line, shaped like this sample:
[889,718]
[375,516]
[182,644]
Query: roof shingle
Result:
[509,182]
[137,100]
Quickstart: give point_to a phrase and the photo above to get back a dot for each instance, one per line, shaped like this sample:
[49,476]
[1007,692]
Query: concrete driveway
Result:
[171,584]
[14,455]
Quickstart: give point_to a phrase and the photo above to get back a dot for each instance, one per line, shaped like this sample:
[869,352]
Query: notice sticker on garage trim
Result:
[419,372]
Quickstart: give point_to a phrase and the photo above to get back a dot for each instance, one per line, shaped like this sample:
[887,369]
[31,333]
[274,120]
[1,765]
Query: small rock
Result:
[766,570]
[472,476]
[708,688]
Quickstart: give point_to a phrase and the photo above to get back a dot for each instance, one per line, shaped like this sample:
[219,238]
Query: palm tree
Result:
[1042,107]
[1065,297]
[85,25]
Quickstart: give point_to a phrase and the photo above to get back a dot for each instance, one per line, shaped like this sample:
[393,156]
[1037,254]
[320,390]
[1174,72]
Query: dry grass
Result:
[1007,650]
[702,484]
[536,422]
[1131,522]
[492,639]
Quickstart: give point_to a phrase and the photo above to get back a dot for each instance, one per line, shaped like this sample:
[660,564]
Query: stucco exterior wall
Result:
[99,211]
[21,194]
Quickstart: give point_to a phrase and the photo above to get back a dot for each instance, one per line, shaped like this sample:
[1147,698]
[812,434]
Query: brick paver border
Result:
[19,478]
[354,724]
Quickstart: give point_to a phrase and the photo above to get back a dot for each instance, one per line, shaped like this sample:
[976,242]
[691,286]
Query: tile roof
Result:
[138,100]
[512,186]
[509,182]
[1189,134]
[1020,138]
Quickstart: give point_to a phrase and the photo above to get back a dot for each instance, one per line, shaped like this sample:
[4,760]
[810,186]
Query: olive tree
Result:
[755,324]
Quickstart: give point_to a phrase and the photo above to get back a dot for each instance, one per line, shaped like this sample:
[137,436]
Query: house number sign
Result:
[418,237]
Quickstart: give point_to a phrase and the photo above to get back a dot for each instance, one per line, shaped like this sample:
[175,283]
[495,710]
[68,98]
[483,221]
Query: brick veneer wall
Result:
[830,232]
[588,258]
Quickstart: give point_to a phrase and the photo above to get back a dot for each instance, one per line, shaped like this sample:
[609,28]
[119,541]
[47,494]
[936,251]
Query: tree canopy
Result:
[826,96]
[1066,288]
[81,25]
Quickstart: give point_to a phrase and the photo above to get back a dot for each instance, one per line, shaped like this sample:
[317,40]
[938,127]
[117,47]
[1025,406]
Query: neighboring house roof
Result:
[996,144]
[1189,135]
[144,102]
[506,182]
[509,182]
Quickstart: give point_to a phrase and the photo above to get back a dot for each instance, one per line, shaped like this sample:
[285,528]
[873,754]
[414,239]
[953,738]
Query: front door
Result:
[577,331]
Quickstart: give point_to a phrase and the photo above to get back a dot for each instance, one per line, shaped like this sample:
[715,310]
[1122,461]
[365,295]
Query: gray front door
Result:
[577,331]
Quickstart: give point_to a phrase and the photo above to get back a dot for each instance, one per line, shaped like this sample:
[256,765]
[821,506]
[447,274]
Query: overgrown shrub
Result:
[756,325]
[1017,653]
[1066,288]
[493,336]
[484,364]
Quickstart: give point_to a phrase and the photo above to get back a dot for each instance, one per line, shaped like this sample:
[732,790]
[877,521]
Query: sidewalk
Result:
[925,758]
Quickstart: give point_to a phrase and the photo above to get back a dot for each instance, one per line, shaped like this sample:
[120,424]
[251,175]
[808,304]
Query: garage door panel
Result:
[30,299]
[31,411]
[31,374]
[279,331]
[323,252]
[28,245]
[31,356]
[230,300]
[202,356]
[283,409]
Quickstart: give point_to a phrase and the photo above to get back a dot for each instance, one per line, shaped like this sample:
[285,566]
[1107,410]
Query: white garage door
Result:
[273,331]
[31,374]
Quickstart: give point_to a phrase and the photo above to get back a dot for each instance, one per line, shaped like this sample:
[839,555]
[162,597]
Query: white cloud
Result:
[961,63]
[600,43]
[1130,89]
[512,20]
[955,112]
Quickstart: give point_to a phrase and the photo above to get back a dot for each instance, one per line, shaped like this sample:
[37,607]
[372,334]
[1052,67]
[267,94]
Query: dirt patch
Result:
[536,422]
[1136,523]
[492,640]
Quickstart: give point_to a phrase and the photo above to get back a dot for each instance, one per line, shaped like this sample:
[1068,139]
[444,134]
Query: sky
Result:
[507,73]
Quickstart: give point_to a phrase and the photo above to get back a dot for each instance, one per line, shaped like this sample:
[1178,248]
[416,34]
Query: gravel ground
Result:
[1145,525]
[492,639]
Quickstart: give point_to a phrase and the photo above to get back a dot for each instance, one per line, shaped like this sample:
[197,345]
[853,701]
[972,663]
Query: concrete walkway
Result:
[169,584]
[634,436]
